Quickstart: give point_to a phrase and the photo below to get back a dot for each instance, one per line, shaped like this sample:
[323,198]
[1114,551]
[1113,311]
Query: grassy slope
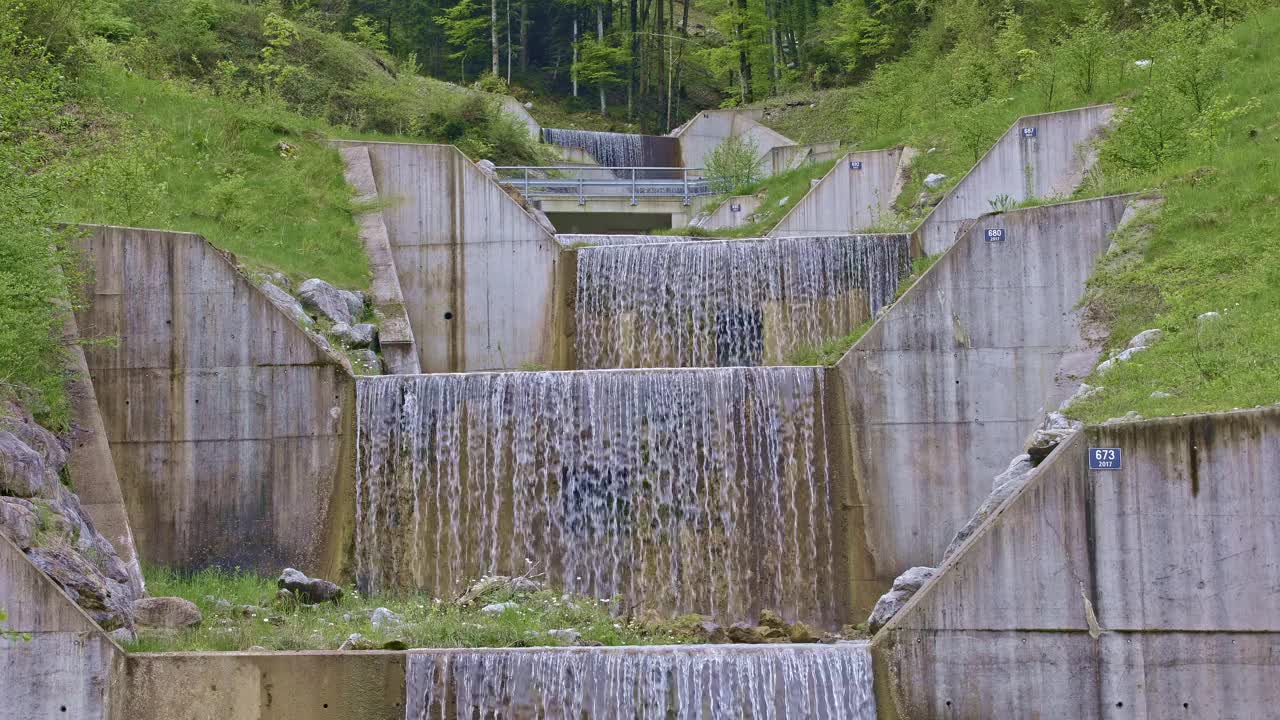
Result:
[1214,247]
[426,622]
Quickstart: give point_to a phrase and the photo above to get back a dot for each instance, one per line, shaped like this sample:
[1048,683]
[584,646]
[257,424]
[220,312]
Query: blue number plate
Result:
[1028,132]
[1104,458]
[855,164]
[995,234]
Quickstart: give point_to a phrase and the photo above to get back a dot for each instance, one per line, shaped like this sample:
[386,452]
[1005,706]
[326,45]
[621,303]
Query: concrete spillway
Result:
[744,302]
[617,150]
[681,490]
[711,682]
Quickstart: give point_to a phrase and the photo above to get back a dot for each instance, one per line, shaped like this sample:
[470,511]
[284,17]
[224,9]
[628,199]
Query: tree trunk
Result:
[744,62]
[633,86]
[573,69]
[524,36]
[508,42]
[600,39]
[493,36]
[660,24]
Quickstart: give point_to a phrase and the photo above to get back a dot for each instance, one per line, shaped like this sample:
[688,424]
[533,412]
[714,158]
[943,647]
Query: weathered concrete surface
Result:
[709,128]
[395,335]
[517,110]
[789,157]
[726,216]
[944,389]
[456,237]
[1051,164]
[266,686]
[68,668]
[1174,555]
[848,199]
[224,418]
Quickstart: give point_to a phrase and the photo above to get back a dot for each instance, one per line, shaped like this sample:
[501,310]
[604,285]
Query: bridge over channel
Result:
[593,198]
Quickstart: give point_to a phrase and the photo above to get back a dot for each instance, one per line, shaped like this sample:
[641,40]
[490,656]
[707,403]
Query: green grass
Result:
[174,156]
[790,186]
[1215,246]
[277,625]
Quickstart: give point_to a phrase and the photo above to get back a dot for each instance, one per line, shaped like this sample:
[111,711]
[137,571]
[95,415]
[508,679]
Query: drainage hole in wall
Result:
[1186,705]
[448,316]
[948,703]
[1120,704]
[63,708]
[326,705]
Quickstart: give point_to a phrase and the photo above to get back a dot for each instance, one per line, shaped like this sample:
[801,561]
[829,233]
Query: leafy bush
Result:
[734,163]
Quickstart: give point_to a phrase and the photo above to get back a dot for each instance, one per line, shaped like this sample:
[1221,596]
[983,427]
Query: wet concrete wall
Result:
[266,686]
[709,128]
[226,421]
[856,195]
[1142,592]
[67,668]
[1041,156]
[943,390]
[732,213]
[456,237]
[395,334]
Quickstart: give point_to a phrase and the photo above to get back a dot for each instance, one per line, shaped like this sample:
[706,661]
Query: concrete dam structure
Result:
[673,459]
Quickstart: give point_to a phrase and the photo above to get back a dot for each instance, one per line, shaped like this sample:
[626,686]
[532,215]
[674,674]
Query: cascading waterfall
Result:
[617,149]
[703,682]
[578,240]
[680,490]
[741,302]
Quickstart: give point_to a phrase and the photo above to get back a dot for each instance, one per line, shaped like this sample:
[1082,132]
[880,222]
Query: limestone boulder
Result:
[1004,485]
[802,633]
[309,590]
[1055,428]
[360,335]
[904,587]
[172,613]
[489,169]
[109,603]
[745,633]
[286,302]
[22,470]
[710,632]
[327,301]
[19,521]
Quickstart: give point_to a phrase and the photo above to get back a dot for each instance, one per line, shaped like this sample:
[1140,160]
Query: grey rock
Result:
[783,202]
[1002,487]
[360,335]
[1208,317]
[494,583]
[320,340]
[356,641]
[367,362]
[257,648]
[383,619]
[51,448]
[710,632]
[745,633]
[499,608]
[567,636]
[123,635]
[1146,338]
[326,301]
[166,612]
[1085,390]
[771,619]
[488,168]
[22,470]
[279,279]
[904,587]
[1123,356]
[802,633]
[109,603]
[934,180]
[19,521]
[309,590]
[355,302]
[1055,428]
[813,183]
[287,303]
[1160,395]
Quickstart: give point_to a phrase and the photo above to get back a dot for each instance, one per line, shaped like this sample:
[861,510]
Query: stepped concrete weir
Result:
[698,682]
[855,195]
[704,491]
[611,149]
[729,303]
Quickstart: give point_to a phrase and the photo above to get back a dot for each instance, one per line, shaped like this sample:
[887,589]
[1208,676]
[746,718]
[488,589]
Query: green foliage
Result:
[781,193]
[427,622]
[600,64]
[367,35]
[734,163]
[6,634]
[466,29]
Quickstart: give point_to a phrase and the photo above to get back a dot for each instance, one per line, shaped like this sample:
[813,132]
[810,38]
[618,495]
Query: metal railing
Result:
[586,182]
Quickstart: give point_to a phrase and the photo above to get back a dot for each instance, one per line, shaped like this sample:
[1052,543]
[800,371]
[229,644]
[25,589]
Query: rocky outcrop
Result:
[308,590]
[288,303]
[166,612]
[43,517]
[339,306]
[360,335]
[904,587]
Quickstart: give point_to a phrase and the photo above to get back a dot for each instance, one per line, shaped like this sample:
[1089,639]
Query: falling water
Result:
[701,682]
[618,149]
[682,490]
[743,302]
[579,240]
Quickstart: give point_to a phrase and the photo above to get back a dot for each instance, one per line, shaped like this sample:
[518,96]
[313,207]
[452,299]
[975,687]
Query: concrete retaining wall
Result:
[266,686]
[516,109]
[395,335]
[483,281]
[789,157]
[68,668]
[709,128]
[856,195]
[725,216]
[943,390]
[226,421]
[1049,164]
[1175,555]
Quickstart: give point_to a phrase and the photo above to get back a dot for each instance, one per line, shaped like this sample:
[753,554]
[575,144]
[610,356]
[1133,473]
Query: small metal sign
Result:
[995,234]
[1028,132]
[1104,458]
[735,207]
[855,164]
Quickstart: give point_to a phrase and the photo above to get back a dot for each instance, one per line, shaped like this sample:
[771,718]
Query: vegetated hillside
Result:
[1201,129]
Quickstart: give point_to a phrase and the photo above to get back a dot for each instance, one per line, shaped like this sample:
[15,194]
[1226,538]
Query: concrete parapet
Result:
[1040,156]
[789,157]
[943,390]
[395,334]
[1145,591]
[455,237]
[225,418]
[266,686]
[709,128]
[854,196]
[67,668]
